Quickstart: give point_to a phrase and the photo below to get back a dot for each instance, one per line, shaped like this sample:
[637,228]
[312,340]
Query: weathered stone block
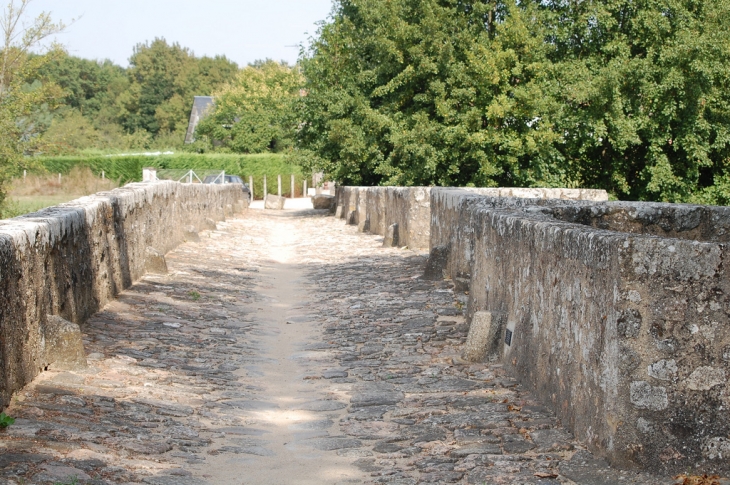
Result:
[436,264]
[646,396]
[705,378]
[191,234]
[210,224]
[391,239]
[63,346]
[364,226]
[274,202]
[485,336]
[241,205]
[323,202]
[155,261]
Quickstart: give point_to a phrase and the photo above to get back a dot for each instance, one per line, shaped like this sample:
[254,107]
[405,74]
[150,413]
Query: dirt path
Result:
[292,411]
[286,348]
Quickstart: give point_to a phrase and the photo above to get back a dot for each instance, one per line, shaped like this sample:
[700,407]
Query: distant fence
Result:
[287,186]
[188,176]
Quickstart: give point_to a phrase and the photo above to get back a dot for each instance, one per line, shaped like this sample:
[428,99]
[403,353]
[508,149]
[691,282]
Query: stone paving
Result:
[285,347]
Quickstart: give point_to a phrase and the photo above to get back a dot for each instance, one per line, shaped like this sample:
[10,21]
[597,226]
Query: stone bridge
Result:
[161,334]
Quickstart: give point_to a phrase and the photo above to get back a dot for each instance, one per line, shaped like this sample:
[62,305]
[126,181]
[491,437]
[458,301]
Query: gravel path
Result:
[286,348]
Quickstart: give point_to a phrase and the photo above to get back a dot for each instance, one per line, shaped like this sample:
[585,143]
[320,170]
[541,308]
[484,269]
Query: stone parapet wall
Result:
[375,209]
[616,313]
[70,260]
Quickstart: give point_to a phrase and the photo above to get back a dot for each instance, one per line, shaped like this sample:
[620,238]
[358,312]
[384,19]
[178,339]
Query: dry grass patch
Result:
[38,191]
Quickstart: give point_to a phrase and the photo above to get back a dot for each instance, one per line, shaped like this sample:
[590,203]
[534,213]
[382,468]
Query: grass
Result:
[72,481]
[38,191]
[78,181]
[5,420]
[25,204]
[81,175]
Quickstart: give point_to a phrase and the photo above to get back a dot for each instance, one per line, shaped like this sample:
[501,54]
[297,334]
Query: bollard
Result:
[250,185]
[278,180]
[485,336]
[292,186]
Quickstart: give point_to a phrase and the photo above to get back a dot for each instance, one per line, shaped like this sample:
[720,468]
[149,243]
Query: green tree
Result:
[91,87]
[254,113]
[164,79]
[87,115]
[643,95]
[23,102]
[630,96]
[431,92]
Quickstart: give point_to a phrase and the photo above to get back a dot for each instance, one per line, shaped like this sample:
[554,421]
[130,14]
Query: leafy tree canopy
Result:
[164,79]
[25,104]
[630,96]
[254,113]
[89,86]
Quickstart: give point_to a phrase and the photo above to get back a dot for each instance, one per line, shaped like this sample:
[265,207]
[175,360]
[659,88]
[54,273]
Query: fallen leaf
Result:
[698,479]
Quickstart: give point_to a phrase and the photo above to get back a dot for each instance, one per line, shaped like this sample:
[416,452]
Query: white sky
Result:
[242,30]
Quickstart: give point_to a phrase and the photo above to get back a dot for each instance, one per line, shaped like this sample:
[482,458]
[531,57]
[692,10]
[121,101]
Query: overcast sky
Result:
[242,30]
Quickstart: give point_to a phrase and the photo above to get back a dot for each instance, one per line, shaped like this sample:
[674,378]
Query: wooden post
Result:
[279,185]
[250,185]
[293,192]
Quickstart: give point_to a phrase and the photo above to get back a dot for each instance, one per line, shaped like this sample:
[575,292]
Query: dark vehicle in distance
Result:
[228,179]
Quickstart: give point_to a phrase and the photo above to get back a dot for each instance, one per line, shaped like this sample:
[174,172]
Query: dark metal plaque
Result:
[508,337]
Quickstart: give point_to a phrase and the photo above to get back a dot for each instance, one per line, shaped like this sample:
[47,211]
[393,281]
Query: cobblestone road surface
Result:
[286,348]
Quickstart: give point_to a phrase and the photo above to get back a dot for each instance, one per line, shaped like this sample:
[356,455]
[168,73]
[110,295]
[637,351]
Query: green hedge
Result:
[128,168]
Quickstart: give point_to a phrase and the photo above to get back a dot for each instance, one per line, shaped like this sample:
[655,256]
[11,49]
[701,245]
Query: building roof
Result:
[201,105]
